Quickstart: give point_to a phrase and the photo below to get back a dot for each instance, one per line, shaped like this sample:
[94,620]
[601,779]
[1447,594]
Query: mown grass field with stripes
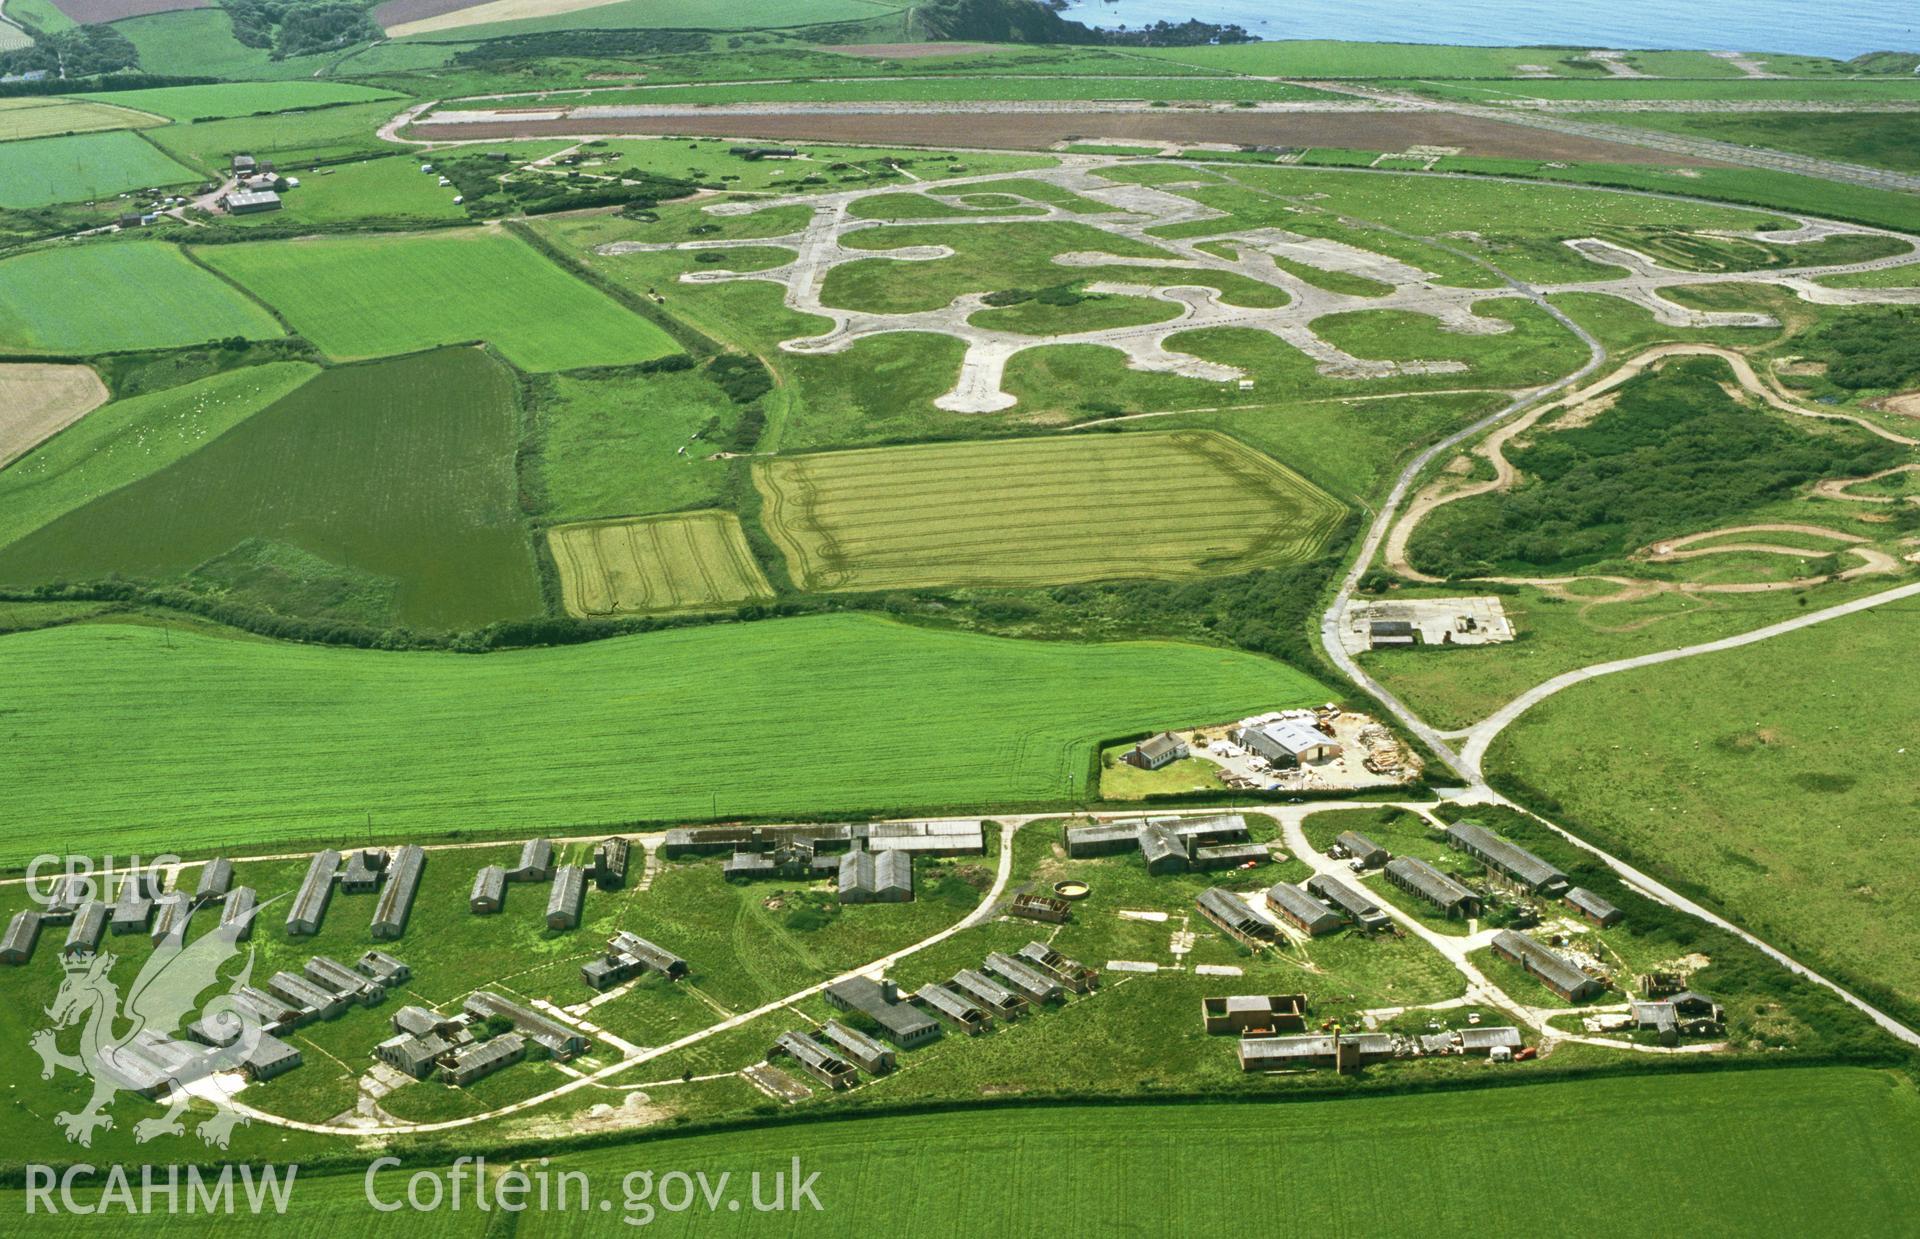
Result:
[1030,512]
[690,561]
[40,116]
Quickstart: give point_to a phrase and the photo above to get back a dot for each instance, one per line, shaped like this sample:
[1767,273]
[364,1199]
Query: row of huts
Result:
[566,897]
[1172,844]
[139,905]
[458,1049]
[394,875]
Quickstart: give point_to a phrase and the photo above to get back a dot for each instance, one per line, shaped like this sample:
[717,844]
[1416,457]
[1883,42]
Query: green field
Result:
[378,493]
[1332,58]
[200,43]
[39,116]
[140,295]
[1878,139]
[291,139]
[1028,512]
[613,444]
[44,171]
[190,103]
[392,188]
[375,296]
[1770,777]
[120,443]
[685,562]
[262,741]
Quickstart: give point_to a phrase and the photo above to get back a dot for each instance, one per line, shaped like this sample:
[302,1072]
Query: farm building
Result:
[1069,972]
[1596,910]
[880,1002]
[1688,1013]
[170,914]
[958,1009]
[243,165]
[384,968]
[1358,907]
[1256,1014]
[1000,1002]
[83,936]
[1034,907]
[610,857]
[866,1053]
[1164,851]
[489,891]
[396,899]
[23,931]
[1231,856]
[250,201]
[273,1015]
[551,1035]
[1417,877]
[418,1021]
[268,1058]
[1357,847]
[610,970]
[1302,910]
[1168,844]
[684,841]
[1161,750]
[565,899]
[1506,857]
[303,995]
[876,877]
[133,910]
[946,837]
[483,1058]
[536,862]
[1478,1040]
[68,892]
[1549,967]
[237,912]
[1287,742]
[816,1060]
[654,958]
[1231,913]
[310,903]
[415,1055]
[1032,983]
[1342,1051]
[362,874]
[354,986]
[216,879]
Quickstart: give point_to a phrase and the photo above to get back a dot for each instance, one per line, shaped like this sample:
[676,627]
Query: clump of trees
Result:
[300,27]
[1872,348]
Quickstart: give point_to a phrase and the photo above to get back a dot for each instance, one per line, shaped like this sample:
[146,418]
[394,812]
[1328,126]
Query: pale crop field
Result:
[1062,510]
[38,117]
[39,401]
[689,561]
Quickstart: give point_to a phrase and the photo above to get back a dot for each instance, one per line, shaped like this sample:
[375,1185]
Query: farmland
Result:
[288,138]
[374,296]
[685,562]
[390,188]
[41,401]
[495,18]
[377,493]
[1884,141]
[191,103]
[1788,800]
[1099,508]
[38,117]
[613,443]
[43,171]
[143,295]
[279,741]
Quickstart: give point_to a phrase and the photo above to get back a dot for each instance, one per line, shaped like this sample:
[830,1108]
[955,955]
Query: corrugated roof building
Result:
[396,898]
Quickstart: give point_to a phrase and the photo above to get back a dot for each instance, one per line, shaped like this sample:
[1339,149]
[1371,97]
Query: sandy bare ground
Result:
[923,125]
[1905,404]
[444,17]
[38,401]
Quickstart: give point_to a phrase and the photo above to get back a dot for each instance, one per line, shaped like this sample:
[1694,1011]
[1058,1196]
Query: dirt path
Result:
[1841,488]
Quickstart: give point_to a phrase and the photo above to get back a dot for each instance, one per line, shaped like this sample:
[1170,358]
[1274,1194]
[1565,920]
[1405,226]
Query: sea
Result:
[1839,30]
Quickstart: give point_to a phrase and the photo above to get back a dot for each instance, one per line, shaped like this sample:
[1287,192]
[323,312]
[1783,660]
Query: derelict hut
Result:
[236,914]
[876,877]
[1069,972]
[565,899]
[1254,1014]
[963,1012]
[133,910]
[1364,851]
[866,1053]
[472,1062]
[1549,967]
[1156,752]
[536,862]
[64,899]
[1102,840]
[418,1021]
[273,1014]
[1231,856]
[814,1059]
[489,891]
[83,936]
[23,931]
[413,1055]
[747,866]
[1341,1051]
[1231,913]
[610,970]
[1163,850]
[299,992]
[316,890]
[362,874]
[216,879]
[1358,907]
[353,985]
[1594,909]
[1000,1002]
[610,857]
[1418,878]
[1037,907]
[656,958]
[1033,984]
[880,1002]
[556,1038]
[1301,910]
[268,1058]
[171,912]
[384,968]
[396,897]
[1506,857]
